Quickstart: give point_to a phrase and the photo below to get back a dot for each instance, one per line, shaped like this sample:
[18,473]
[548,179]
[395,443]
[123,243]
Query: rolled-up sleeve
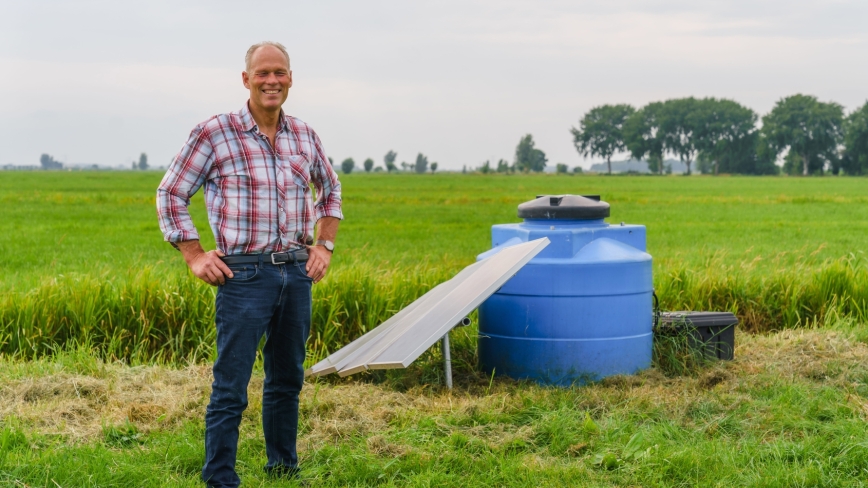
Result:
[185,176]
[328,187]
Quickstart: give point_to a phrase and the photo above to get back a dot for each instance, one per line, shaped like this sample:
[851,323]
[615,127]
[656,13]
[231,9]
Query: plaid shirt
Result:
[258,197]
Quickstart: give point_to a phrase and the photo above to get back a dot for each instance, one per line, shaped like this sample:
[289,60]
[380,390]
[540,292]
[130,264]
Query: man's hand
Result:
[207,266]
[318,262]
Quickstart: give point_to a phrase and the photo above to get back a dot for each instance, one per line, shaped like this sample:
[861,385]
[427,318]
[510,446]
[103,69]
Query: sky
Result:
[99,82]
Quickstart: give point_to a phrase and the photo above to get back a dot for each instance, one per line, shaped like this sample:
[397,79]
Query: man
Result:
[256,165]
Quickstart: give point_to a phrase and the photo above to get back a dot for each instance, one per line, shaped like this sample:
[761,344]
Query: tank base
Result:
[564,362]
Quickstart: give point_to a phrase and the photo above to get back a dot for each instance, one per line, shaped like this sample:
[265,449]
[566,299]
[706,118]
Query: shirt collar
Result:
[247,122]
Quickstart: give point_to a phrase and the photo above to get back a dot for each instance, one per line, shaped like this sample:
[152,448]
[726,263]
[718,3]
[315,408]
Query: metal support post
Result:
[447,354]
[447,361]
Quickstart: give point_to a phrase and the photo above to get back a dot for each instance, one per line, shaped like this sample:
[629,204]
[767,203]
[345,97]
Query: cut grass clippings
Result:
[790,410]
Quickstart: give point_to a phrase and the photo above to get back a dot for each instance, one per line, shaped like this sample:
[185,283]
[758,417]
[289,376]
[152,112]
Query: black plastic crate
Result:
[713,333]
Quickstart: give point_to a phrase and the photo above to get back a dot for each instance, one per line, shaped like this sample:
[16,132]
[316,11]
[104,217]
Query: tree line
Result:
[721,136]
[47,161]
[421,165]
[528,158]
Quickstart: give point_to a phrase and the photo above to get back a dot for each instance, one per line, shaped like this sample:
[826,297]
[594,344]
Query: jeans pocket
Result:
[242,273]
[300,268]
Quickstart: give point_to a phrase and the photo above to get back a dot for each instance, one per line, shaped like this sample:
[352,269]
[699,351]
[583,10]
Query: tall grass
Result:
[801,294]
[146,315]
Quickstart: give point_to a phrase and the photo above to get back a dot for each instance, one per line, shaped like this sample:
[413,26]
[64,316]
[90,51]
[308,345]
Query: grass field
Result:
[86,262]
[86,280]
[60,222]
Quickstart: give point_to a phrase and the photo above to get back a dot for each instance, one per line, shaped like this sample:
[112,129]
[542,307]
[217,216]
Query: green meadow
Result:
[60,222]
[85,260]
[105,340]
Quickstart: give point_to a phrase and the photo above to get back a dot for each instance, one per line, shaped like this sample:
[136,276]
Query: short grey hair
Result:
[258,45]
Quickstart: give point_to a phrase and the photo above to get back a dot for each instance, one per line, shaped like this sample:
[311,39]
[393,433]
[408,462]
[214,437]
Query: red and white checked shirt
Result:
[258,196]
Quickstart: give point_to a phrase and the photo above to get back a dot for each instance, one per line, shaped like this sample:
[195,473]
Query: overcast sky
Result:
[98,82]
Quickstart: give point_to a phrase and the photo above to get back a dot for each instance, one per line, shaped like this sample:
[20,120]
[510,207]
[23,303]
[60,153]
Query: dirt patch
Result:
[713,378]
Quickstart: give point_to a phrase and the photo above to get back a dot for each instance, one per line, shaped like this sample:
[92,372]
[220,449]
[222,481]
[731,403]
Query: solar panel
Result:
[399,341]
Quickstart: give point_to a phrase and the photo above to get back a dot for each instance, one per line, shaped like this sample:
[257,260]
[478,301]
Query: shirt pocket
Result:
[299,168]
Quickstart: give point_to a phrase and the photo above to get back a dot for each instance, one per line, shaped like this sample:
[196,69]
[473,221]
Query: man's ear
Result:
[246,79]
[290,79]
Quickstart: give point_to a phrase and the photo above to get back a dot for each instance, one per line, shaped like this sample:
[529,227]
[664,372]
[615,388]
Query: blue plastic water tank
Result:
[581,309]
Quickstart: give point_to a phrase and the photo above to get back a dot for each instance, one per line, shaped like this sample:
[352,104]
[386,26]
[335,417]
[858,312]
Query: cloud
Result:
[460,81]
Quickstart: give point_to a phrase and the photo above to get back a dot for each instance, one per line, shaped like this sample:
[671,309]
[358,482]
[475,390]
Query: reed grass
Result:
[797,295]
[149,315]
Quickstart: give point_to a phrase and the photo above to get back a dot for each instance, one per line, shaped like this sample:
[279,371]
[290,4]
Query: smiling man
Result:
[256,165]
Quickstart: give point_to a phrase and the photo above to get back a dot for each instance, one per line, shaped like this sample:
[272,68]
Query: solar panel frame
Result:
[463,299]
[395,343]
[385,331]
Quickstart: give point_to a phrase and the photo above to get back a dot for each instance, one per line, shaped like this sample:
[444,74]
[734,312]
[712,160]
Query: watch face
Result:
[329,245]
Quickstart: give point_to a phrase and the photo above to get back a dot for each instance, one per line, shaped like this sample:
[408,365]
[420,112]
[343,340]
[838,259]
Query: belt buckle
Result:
[275,262]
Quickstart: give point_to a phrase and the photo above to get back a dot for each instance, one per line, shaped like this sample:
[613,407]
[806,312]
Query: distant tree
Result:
[682,127]
[464,169]
[748,155]
[434,167]
[527,157]
[578,170]
[378,169]
[855,160]
[389,160]
[421,165]
[405,166]
[724,129]
[143,162]
[369,165]
[811,129]
[331,162]
[48,162]
[655,164]
[503,166]
[600,131]
[562,168]
[485,168]
[348,165]
[644,137]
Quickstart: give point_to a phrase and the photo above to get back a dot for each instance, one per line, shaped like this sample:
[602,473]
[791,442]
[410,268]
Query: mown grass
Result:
[790,410]
[57,222]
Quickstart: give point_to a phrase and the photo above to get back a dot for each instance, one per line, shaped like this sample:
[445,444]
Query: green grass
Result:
[86,280]
[85,262]
[61,222]
[789,411]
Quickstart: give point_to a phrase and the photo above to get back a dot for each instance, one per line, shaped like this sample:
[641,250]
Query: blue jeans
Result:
[270,300]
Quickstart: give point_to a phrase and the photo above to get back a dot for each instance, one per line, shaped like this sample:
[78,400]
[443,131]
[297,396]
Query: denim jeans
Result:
[270,300]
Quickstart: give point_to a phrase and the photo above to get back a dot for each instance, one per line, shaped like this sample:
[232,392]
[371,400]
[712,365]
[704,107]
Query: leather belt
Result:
[296,256]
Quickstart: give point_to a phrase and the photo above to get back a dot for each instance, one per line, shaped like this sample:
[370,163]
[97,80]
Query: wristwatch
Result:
[329,245]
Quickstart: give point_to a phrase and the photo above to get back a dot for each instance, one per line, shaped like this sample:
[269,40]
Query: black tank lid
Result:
[564,207]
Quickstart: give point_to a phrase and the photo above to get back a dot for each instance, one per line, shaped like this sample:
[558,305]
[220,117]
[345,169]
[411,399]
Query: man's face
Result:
[268,79]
